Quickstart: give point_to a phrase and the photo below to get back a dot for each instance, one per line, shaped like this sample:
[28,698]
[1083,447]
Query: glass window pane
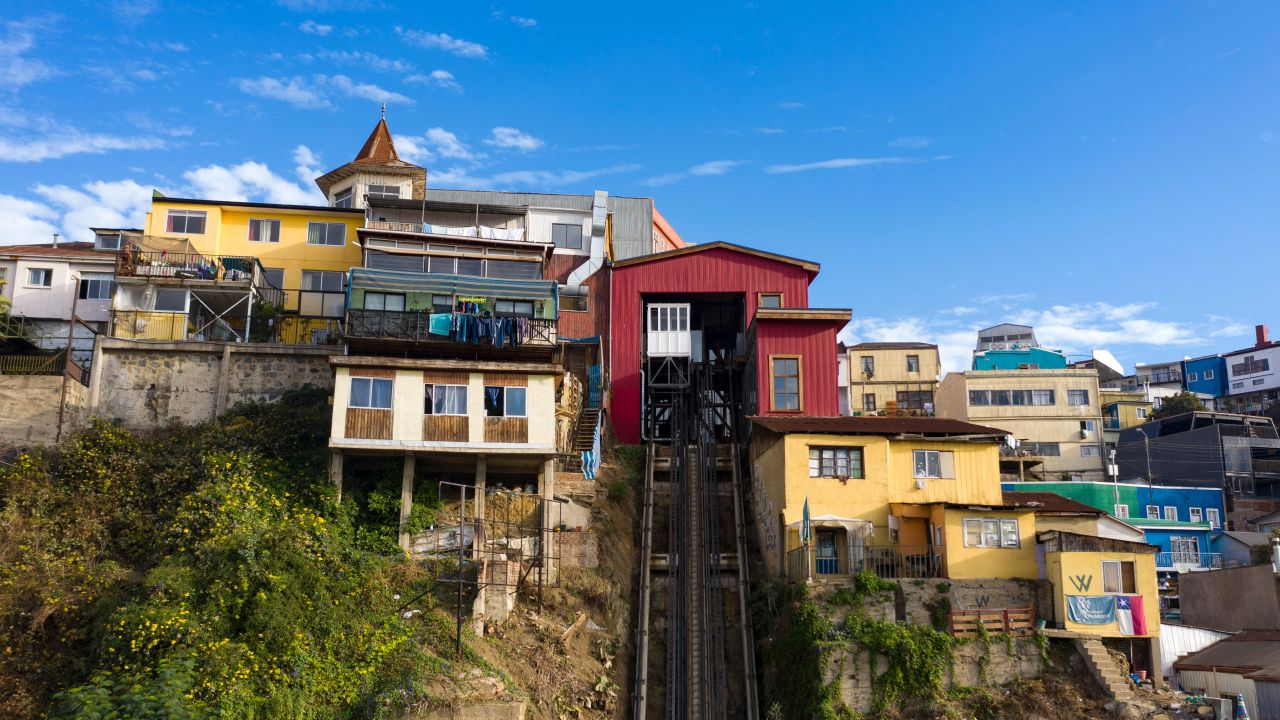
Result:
[359,392]
[515,402]
[381,393]
[493,401]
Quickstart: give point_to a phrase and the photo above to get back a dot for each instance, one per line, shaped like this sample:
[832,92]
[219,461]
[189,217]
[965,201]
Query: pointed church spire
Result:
[379,149]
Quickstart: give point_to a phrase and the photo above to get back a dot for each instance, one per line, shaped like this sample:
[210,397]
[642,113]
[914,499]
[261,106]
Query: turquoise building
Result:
[1019,358]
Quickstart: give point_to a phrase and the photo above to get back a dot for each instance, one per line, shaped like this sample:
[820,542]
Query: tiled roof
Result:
[65,249]
[1048,502]
[874,425]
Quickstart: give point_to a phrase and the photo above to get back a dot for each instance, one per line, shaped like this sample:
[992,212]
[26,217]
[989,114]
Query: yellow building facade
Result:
[903,497]
[1053,415]
[286,239]
[1122,410]
[893,378]
[1093,567]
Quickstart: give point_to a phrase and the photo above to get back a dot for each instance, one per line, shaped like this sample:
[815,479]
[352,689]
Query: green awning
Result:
[463,285]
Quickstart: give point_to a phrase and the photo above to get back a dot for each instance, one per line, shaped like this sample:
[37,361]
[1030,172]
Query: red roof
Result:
[874,425]
[65,249]
[379,149]
[1049,502]
[811,267]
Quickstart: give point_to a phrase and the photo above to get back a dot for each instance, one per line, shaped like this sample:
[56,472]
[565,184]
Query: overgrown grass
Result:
[207,572]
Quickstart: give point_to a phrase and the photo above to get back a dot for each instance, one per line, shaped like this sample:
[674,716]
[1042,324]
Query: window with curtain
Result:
[991,533]
[934,464]
[326,233]
[445,400]
[372,393]
[264,231]
[1118,576]
[504,401]
[835,462]
[187,222]
[786,383]
[323,294]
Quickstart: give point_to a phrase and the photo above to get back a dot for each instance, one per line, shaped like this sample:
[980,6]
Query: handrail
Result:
[416,326]
[886,561]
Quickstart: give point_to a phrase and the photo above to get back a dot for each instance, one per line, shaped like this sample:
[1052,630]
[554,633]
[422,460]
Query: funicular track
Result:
[693,598]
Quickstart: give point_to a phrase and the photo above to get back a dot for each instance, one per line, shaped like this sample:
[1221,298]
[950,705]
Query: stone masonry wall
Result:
[578,549]
[149,384]
[920,596]
[29,408]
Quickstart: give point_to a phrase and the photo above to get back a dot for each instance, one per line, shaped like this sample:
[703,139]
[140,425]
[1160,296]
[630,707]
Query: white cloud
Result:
[834,164]
[306,165]
[911,142]
[1267,136]
[714,167]
[323,5]
[56,141]
[513,138]
[366,91]
[122,203]
[524,22]
[442,79]
[132,11]
[436,142]
[365,59]
[557,178]
[177,46]
[25,221]
[960,310]
[19,37]
[311,27]
[769,131]
[294,91]
[248,181]
[445,42]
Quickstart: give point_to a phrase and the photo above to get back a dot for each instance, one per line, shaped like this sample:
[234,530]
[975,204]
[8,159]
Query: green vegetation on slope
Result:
[207,572]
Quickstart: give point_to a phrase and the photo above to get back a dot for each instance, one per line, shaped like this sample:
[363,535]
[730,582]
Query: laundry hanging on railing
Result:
[477,329]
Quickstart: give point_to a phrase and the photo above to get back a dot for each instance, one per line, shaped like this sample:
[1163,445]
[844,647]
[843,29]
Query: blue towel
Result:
[440,324]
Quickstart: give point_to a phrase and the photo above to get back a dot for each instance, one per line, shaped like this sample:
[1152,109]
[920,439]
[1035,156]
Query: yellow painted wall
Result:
[407,408]
[227,233]
[1127,405]
[1063,567]
[890,375]
[981,562]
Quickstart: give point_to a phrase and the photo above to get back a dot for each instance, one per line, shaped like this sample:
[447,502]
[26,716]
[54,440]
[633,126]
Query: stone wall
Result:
[920,597]
[850,668]
[578,549]
[149,384]
[29,408]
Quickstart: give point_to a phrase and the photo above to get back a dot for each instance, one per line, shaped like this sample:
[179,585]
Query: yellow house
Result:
[301,247]
[1122,409]
[1096,582]
[893,378]
[900,496]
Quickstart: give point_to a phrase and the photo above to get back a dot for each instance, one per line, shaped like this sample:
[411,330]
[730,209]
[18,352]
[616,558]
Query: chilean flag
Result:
[1129,614]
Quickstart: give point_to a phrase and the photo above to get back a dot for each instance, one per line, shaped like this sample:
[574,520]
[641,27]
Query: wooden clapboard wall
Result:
[506,429]
[368,424]
[446,428]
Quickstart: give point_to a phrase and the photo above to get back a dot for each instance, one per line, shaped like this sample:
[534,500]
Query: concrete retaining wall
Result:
[148,384]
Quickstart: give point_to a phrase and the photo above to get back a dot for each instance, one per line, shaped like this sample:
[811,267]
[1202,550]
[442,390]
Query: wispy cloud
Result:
[435,143]
[768,131]
[911,142]
[306,165]
[17,40]
[524,22]
[176,46]
[248,181]
[513,139]
[43,139]
[442,79]
[836,164]
[367,91]
[1267,136]
[365,59]
[294,91]
[712,167]
[133,11]
[311,27]
[445,42]
[324,5]
[791,105]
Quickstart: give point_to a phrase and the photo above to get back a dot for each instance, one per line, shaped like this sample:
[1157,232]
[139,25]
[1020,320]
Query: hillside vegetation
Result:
[207,572]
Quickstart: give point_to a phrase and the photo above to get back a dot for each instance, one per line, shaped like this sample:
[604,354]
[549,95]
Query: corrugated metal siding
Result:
[596,320]
[1268,694]
[712,271]
[1177,641]
[813,341]
[1219,684]
[632,217]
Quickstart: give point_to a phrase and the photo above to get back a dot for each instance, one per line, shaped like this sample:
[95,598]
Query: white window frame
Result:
[273,224]
[942,460]
[1075,396]
[1171,510]
[1195,514]
[452,397]
[186,301]
[506,400]
[1214,518]
[1208,374]
[581,237]
[913,363]
[383,192]
[1119,577]
[187,216]
[47,274]
[1153,512]
[344,198]
[1121,511]
[384,297]
[1090,450]
[366,394]
[101,282]
[324,233]
[1141,413]
[995,533]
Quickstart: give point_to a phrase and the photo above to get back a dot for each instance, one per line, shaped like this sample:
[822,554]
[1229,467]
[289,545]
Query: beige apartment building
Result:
[893,377]
[1052,416]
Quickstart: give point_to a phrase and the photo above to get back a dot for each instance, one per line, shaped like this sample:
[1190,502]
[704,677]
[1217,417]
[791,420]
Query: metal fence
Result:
[886,561]
[417,326]
[41,364]
[1196,560]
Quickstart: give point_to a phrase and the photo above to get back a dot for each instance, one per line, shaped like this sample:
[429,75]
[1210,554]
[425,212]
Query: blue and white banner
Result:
[1091,609]
[591,458]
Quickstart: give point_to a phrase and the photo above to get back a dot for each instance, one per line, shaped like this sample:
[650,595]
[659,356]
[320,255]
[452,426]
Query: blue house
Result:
[1181,520]
[1019,358]
[1207,375]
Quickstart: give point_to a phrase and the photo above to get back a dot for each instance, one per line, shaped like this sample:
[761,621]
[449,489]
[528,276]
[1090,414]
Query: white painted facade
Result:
[1250,371]
[1179,641]
[25,274]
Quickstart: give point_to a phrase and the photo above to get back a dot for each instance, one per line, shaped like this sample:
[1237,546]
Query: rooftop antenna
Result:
[384,111]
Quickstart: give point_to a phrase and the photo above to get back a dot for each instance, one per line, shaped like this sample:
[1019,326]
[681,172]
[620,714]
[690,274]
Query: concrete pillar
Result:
[96,371]
[482,469]
[335,472]
[546,488]
[406,498]
[1156,675]
[223,396]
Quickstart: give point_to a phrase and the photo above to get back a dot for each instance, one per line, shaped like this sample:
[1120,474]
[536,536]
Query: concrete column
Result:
[546,488]
[335,472]
[223,395]
[96,371]
[1155,674]
[406,498]
[482,469]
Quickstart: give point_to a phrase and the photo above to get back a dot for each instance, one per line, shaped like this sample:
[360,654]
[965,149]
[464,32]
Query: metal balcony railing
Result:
[231,269]
[1196,560]
[886,561]
[482,232]
[203,327]
[416,326]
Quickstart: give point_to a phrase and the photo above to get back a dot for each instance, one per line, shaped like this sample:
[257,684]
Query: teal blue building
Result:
[1019,358]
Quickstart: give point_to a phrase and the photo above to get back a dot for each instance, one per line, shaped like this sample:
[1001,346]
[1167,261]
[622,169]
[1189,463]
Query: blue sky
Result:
[1104,171]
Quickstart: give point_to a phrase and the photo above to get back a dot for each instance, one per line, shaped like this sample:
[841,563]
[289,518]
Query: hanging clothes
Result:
[440,323]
